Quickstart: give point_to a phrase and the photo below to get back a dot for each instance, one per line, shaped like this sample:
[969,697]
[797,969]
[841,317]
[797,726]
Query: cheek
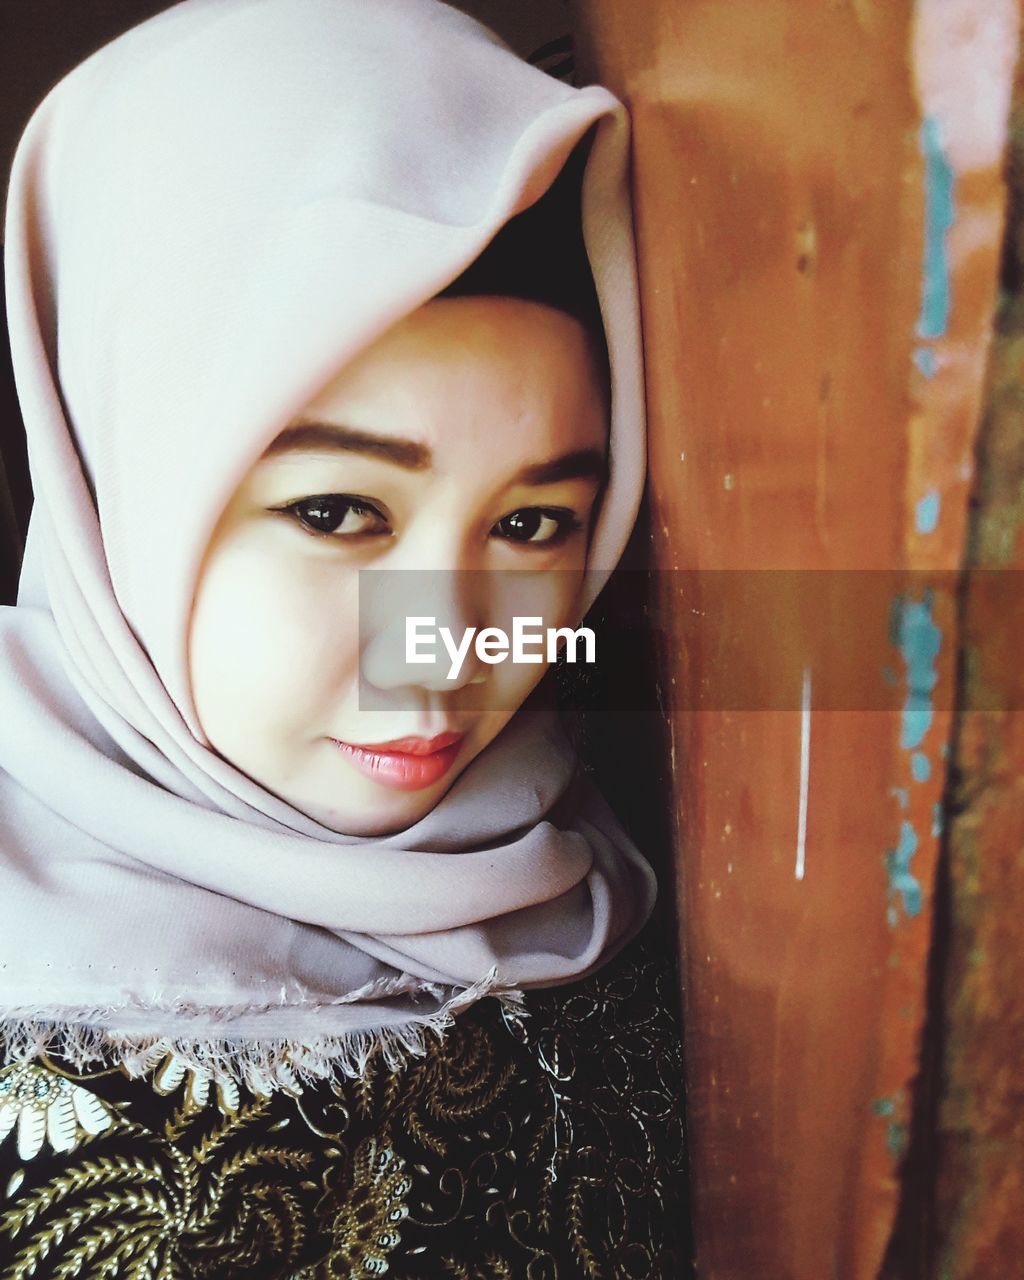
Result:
[551,595]
[273,641]
[555,598]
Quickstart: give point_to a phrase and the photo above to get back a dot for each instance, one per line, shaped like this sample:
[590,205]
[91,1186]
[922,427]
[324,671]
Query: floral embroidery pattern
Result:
[366,1225]
[547,1145]
[172,1072]
[46,1106]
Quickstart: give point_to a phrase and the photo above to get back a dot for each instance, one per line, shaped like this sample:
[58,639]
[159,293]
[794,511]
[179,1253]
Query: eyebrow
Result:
[306,435]
[318,436]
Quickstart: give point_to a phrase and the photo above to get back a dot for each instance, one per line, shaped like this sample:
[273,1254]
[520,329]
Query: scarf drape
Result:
[206,220]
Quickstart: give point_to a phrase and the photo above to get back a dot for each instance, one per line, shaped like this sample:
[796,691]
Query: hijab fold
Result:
[206,220]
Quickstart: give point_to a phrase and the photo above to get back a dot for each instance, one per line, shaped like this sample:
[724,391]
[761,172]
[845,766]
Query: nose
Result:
[406,612]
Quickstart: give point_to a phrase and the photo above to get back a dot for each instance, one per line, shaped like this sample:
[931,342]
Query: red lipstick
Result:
[406,764]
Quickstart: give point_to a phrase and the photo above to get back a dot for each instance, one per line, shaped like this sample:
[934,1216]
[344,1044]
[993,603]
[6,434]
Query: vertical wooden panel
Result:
[818,206]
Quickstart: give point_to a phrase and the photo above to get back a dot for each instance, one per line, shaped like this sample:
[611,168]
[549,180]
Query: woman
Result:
[249,925]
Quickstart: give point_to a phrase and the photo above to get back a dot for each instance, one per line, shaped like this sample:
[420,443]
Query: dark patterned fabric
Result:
[518,1148]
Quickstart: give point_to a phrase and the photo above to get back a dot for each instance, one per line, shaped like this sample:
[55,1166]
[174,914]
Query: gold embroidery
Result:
[152,1211]
[367,1213]
[548,1145]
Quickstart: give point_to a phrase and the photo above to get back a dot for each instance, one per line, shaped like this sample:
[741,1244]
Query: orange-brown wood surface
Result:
[819,208]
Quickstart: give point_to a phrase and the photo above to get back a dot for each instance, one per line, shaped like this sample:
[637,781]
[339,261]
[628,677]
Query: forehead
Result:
[459,354]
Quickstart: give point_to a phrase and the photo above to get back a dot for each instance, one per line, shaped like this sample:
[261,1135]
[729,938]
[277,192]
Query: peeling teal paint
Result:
[902,880]
[912,629]
[924,358]
[895,1140]
[895,1132]
[938,218]
[926,514]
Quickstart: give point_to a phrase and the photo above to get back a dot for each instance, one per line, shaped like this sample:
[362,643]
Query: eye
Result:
[337,515]
[538,526]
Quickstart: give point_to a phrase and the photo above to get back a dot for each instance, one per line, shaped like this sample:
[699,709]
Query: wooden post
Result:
[819,212]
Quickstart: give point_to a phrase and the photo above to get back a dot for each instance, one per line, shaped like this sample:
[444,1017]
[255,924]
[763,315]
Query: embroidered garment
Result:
[547,1143]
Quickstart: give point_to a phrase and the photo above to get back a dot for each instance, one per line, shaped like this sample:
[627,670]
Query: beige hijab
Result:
[206,220]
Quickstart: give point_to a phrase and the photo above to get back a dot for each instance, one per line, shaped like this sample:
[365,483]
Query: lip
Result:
[405,764]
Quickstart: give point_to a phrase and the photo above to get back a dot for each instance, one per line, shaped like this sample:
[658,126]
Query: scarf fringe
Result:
[264,1065]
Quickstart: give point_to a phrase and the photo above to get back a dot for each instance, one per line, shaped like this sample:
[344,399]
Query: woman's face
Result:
[472,436]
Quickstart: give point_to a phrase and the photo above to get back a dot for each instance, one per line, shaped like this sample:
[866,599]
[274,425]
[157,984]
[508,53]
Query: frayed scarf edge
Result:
[264,1066]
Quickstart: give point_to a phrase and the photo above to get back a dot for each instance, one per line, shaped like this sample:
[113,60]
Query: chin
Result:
[370,820]
[356,805]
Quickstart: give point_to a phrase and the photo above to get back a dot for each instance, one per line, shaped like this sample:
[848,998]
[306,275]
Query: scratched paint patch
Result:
[903,884]
[895,1139]
[913,631]
[939,214]
[924,358]
[895,1131]
[926,513]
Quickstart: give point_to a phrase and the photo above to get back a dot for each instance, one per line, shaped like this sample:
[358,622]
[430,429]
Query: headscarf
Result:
[206,220]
